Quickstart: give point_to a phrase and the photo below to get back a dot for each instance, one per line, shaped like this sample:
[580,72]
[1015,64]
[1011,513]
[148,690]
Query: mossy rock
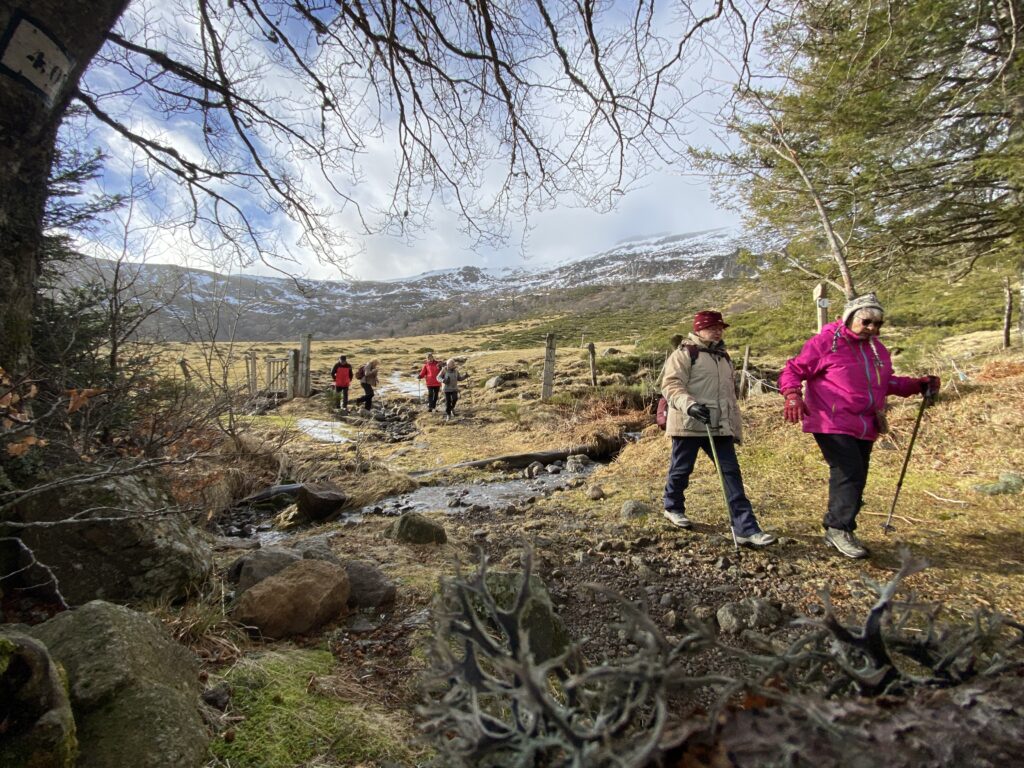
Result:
[546,633]
[414,528]
[134,690]
[39,728]
[1009,483]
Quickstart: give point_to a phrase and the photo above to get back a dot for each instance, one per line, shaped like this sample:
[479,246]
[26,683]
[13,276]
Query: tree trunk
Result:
[49,44]
[1020,304]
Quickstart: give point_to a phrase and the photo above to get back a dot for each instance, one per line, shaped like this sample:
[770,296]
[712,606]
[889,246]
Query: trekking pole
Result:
[721,478]
[887,525]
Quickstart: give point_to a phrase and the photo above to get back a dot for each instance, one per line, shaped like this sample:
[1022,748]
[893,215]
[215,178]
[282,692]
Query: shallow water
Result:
[326,431]
[457,498]
[407,385]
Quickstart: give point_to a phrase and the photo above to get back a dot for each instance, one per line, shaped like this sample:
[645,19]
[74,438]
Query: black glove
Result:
[700,412]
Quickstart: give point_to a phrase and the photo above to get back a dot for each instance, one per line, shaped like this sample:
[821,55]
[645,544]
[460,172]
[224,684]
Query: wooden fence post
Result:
[252,372]
[821,304]
[744,385]
[593,364]
[305,380]
[184,369]
[293,372]
[547,385]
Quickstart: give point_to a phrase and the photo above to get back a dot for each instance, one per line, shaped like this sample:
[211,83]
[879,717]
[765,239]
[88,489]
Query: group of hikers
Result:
[437,378]
[836,386]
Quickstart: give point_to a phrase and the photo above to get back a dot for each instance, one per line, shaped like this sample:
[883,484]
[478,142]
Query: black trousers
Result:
[432,393]
[367,398]
[684,456]
[848,459]
[450,399]
[343,391]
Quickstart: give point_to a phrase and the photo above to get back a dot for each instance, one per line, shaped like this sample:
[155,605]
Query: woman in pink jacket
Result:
[846,373]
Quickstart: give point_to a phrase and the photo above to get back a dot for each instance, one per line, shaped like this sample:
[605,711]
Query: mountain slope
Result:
[203,304]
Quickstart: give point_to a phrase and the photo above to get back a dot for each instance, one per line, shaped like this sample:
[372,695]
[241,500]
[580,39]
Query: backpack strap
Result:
[695,350]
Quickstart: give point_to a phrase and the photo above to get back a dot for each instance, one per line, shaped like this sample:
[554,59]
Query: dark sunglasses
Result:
[872,323]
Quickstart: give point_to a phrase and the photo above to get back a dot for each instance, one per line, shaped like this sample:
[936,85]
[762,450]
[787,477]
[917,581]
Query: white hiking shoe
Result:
[759,539]
[846,543]
[678,519]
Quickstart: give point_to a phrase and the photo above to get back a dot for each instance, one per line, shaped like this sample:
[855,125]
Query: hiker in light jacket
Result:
[699,385]
[429,371]
[341,374]
[450,376]
[370,379]
[846,373]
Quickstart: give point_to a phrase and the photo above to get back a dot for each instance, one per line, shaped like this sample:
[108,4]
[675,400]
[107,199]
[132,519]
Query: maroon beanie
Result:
[707,319]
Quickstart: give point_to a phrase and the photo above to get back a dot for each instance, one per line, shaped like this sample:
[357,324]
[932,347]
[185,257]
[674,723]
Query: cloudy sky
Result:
[163,228]
[666,203]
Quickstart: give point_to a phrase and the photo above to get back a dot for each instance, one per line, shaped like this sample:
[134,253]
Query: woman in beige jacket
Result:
[698,383]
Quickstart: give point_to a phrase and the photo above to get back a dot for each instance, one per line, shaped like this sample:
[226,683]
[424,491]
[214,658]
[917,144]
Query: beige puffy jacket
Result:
[709,380]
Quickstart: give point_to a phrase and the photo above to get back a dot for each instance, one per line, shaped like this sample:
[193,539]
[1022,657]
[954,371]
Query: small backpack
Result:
[361,372]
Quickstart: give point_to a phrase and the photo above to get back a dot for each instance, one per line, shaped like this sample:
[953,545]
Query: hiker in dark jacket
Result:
[369,380]
[449,377]
[698,383]
[837,387]
[341,374]
[429,371]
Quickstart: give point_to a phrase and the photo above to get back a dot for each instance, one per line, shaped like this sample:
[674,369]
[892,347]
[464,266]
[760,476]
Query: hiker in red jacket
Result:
[429,372]
[341,373]
[837,387]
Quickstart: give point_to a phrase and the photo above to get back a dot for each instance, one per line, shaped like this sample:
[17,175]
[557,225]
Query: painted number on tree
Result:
[33,57]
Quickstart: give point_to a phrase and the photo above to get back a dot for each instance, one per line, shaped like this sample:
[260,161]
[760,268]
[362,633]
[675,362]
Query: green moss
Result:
[290,721]
[7,649]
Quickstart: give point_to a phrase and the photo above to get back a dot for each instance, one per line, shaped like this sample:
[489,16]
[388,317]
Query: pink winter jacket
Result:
[846,382]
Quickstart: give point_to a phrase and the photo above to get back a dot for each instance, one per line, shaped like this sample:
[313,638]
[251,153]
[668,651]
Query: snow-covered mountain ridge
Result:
[274,308]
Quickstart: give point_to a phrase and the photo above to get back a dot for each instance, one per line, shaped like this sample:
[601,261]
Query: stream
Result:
[253,517]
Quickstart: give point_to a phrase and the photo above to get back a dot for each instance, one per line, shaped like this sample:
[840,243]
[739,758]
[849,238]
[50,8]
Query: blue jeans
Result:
[684,456]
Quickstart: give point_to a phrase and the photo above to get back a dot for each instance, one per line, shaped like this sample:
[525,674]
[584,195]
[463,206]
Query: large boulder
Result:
[253,567]
[370,587]
[38,727]
[414,528]
[299,599]
[123,545]
[320,503]
[134,690]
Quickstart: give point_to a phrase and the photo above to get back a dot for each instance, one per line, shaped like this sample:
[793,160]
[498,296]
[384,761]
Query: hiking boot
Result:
[845,542]
[759,539]
[678,519]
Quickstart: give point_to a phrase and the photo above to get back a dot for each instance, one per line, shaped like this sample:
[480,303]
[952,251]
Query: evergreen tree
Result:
[900,124]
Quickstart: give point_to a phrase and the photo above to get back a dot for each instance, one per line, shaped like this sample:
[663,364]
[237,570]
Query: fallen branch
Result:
[949,501]
[904,518]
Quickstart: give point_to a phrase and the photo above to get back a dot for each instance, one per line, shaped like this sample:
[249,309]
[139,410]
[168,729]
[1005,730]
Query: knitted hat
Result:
[867,301]
[706,319]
